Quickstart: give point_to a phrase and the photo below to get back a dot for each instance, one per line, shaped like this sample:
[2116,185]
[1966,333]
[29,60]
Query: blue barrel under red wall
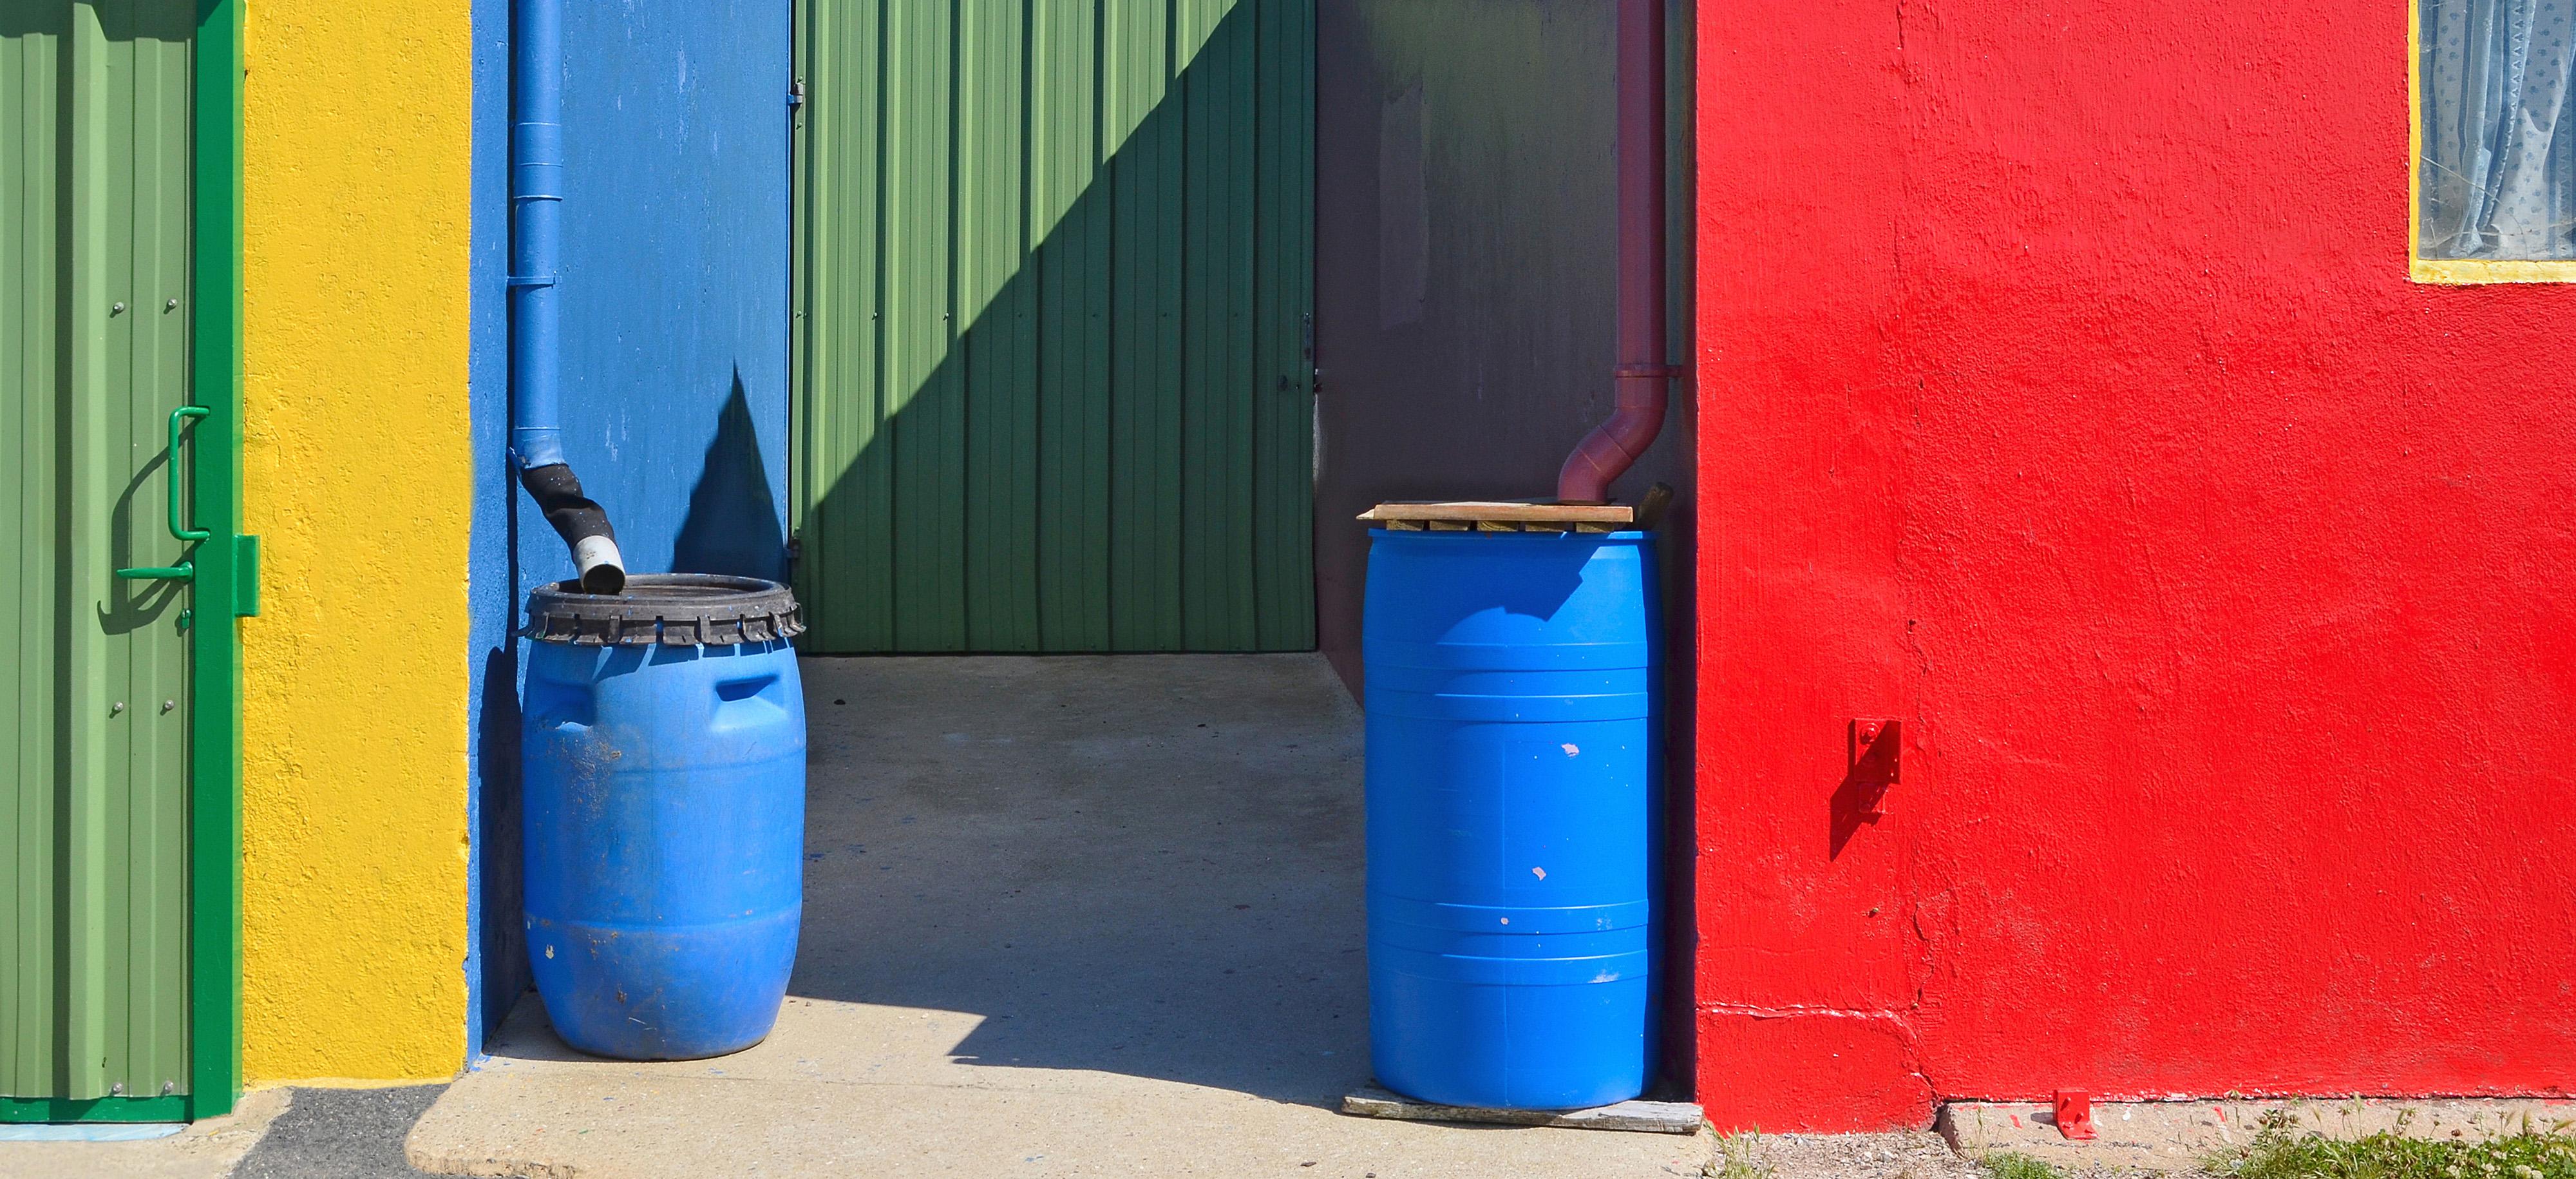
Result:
[1514,772]
[664,757]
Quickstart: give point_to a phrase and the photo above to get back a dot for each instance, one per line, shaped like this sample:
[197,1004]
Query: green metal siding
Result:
[94,709]
[1054,272]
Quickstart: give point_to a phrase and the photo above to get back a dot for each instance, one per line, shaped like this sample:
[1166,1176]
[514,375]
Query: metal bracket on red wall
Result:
[1875,764]
[2073,1112]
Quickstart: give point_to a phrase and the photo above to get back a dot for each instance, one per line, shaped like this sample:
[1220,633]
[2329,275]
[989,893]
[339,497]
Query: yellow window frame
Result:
[2451,271]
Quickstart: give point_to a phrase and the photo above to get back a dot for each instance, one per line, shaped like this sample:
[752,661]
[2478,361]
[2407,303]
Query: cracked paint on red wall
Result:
[2065,397]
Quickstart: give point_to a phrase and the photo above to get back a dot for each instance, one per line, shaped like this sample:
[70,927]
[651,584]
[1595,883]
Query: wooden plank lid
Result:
[1519,515]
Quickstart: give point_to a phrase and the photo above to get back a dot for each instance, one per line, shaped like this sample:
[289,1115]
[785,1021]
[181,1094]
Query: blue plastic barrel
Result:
[1514,789]
[664,760]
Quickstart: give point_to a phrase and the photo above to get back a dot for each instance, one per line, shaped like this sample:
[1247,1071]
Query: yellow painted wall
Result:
[356,476]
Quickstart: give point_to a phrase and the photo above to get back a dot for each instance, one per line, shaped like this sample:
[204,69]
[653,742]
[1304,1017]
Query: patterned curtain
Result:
[2498,173]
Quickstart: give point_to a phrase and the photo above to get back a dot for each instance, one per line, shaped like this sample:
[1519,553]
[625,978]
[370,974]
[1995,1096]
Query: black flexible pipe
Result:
[581,522]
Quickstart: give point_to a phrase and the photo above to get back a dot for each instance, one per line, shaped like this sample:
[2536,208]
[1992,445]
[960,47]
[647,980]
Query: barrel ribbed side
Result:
[1514,769]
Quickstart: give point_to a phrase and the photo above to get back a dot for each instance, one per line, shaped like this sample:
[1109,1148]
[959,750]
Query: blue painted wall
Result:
[675,365]
[496,968]
[675,282]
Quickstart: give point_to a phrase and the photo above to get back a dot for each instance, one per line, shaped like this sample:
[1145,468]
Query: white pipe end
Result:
[602,568]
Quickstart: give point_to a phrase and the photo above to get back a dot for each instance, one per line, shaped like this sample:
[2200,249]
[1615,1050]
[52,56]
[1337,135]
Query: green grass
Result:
[1735,1158]
[2005,1164]
[2278,1152]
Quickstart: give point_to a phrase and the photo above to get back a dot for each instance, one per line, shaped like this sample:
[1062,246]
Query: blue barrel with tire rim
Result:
[663,746]
[1514,771]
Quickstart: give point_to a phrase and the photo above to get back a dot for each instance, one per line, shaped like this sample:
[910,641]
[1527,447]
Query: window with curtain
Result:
[2497,174]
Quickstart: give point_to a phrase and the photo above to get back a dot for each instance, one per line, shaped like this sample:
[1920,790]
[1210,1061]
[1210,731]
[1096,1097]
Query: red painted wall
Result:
[2063,395]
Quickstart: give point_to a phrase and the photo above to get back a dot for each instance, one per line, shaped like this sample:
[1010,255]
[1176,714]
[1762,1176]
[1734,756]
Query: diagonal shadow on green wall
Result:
[1054,277]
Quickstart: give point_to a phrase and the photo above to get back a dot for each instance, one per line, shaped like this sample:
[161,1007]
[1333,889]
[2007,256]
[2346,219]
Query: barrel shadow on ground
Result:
[1147,865]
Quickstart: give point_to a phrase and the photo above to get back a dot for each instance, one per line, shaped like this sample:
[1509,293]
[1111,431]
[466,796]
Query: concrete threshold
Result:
[211,1149]
[1064,916]
[2179,1135]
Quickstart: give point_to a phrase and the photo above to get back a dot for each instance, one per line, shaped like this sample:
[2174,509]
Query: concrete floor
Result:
[295,1133]
[210,1149]
[1064,916]
[340,1134]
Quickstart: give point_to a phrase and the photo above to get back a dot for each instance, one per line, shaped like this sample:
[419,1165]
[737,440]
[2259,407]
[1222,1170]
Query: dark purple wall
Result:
[1464,267]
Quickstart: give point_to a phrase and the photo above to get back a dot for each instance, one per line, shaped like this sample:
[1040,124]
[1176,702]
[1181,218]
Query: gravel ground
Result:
[1910,1155]
[1919,1154]
[340,1134]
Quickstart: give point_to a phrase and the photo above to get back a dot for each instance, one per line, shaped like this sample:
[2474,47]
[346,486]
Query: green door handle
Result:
[184,570]
[178,423]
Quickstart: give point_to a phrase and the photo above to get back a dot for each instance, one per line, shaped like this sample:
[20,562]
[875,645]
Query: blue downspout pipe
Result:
[536,300]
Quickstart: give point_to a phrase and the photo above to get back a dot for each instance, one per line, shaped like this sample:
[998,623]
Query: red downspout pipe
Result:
[1642,373]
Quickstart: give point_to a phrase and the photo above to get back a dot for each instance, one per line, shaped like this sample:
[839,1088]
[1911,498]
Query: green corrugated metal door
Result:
[94,186]
[1054,274]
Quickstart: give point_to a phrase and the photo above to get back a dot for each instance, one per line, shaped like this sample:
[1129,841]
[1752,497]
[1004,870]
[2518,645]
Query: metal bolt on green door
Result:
[1054,269]
[118,407]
